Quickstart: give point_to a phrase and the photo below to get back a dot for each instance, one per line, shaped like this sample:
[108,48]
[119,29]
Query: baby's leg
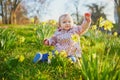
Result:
[40,57]
[73,58]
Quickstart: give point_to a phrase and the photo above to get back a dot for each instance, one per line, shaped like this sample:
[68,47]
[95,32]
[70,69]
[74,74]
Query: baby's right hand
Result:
[46,42]
[88,17]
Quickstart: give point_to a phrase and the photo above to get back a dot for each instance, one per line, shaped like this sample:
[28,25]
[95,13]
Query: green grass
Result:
[100,60]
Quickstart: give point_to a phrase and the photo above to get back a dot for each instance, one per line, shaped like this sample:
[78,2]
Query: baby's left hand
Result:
[88,17]
[46,42]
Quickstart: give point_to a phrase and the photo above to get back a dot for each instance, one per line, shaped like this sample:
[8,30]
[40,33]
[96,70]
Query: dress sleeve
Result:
[52,40]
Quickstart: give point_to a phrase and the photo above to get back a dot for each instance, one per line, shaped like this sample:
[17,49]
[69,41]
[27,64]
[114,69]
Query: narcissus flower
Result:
[21,39]
[63,53]
[115,33]
[50,55]
[56,52]
[52,22]
[43,23]
[70,60]
[106,24]
[75,37]
[101,19]
[21,58]
[94,27]
[34,29]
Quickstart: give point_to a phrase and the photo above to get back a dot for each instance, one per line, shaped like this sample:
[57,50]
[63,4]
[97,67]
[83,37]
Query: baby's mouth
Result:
[67,26]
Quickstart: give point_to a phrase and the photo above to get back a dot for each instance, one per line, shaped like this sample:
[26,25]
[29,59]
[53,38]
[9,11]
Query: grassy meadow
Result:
[18,45]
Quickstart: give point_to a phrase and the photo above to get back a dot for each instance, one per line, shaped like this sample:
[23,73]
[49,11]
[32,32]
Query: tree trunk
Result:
[13,17]
[2,15]
[117,7]
[118,13]
[8,8]
[5,16]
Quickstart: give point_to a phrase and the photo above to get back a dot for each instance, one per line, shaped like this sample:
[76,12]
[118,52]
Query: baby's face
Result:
[66,22]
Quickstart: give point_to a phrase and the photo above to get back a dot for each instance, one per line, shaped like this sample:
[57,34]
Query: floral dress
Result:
[63,41]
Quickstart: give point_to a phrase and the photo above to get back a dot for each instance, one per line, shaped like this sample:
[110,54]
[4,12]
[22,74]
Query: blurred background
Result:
[36,11]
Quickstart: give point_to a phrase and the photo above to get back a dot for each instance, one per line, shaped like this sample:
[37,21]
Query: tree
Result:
[21,14]
[8,8]
[76,9]
[97,12]
[117,7]
[37,11]
[36,20]
[76,5]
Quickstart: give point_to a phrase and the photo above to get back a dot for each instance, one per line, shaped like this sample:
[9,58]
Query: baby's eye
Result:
[69,21]
[64,21]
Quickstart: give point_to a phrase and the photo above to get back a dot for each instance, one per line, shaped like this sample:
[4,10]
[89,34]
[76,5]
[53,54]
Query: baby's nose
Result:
[68,23]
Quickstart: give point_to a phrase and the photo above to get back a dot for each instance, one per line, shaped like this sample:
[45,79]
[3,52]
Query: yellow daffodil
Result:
[115,33]
[21,58]
[107,25]
[56,52]
[52,22]
[21,39]
[101,24]
[94,27]
[63,53]
[75,37]
[70,60]
[101,19]
[50,55]
[43,23]
[34,29]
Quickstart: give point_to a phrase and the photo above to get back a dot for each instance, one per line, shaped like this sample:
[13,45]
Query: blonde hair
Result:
[64,16]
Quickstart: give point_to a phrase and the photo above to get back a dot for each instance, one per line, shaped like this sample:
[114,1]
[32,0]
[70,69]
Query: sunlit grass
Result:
[100,60]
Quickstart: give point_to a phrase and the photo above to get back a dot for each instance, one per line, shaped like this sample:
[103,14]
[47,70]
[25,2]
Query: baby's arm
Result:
[50,42]
[85,25]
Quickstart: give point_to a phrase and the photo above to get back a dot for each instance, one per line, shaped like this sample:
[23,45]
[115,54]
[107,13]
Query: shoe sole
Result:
[37,58]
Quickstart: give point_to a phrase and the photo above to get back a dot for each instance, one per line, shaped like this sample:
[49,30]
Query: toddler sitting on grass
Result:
[66,38]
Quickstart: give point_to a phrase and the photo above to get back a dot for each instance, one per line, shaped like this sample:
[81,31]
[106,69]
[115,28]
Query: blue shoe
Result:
[37,57]
[72,58]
